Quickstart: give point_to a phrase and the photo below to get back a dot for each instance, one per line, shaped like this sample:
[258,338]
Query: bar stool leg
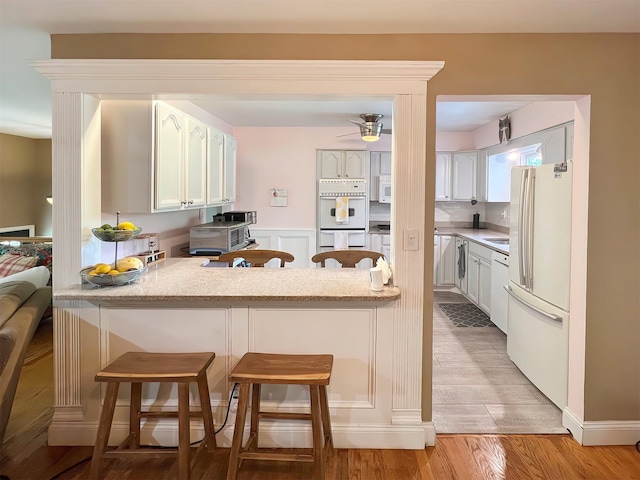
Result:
[252,444]
[316,427]
[241,415]
[104,428]
[207,416]
[326,419]
[184,449]
[135,406]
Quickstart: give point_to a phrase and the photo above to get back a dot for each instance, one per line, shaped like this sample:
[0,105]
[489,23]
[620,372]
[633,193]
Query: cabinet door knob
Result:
[190,202]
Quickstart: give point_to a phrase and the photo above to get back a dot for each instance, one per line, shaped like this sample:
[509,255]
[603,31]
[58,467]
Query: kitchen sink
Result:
[501,241]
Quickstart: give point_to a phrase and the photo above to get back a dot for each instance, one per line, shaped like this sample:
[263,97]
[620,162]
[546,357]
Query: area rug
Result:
[465,315]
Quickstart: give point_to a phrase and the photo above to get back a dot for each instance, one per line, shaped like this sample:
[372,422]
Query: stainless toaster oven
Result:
[218,237]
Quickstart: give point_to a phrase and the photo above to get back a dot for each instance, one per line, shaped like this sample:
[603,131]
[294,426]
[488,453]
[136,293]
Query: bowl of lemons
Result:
[126,271]
[120,233]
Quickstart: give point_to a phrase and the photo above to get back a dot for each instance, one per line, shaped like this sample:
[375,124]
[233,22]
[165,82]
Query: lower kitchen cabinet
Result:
[479,276]
[444,260]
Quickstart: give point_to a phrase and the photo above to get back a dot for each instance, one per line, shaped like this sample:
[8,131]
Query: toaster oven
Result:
[218,237]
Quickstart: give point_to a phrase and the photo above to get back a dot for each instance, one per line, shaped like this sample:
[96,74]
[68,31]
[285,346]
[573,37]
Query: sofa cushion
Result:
[12,296]
[10,264]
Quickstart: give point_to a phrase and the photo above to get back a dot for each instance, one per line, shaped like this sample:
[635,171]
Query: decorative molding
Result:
[429,434]
[408,213]
[272,434]
[66,348]
[85,71]
[592,433]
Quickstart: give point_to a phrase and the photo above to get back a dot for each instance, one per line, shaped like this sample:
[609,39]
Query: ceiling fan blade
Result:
[386,130]
[360,124]
[347,134]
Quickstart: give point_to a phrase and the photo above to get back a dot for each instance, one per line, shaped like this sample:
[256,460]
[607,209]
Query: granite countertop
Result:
[478,236]
[180,279]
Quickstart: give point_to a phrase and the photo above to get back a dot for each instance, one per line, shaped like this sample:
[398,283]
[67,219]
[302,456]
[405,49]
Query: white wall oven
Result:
[342,213]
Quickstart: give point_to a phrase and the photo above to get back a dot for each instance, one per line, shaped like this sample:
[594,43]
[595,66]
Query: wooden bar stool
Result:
[139,367]
[255,369]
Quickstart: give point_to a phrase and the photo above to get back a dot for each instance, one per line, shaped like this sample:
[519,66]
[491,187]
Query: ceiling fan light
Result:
[370,132]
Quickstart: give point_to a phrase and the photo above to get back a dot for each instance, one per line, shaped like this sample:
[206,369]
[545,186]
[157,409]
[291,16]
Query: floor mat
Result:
[465,315]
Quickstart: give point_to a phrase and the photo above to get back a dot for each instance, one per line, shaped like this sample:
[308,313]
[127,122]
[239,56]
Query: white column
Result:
[408,219]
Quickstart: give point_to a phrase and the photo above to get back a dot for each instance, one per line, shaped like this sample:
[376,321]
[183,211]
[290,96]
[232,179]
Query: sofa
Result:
[25,295]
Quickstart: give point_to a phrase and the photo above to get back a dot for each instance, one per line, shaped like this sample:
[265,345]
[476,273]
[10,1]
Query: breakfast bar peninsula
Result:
[180,305]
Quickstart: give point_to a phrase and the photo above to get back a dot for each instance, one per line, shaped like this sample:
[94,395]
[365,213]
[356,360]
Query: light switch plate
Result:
[411,239]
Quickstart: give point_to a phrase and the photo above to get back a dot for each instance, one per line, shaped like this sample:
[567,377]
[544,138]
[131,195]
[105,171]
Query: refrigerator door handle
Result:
[521,223]
[550,316]
[530,219]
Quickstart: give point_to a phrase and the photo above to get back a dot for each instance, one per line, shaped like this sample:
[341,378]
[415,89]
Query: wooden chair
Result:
[139,367]
[346,258]
[255,369]
[257,257]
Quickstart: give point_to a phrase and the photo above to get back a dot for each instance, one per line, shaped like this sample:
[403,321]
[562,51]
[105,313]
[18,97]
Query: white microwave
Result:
[384,188]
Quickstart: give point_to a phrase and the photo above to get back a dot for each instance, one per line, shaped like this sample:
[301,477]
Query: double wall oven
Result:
[342,213]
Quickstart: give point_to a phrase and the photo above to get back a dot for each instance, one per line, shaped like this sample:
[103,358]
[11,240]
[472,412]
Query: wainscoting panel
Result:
[300,243]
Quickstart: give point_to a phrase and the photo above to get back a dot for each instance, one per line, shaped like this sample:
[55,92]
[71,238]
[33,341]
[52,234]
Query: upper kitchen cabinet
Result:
[343,163]
[464,175]
[553,143]
[456,175]
[180,160]
[154,157]
[221,176]
[443,176]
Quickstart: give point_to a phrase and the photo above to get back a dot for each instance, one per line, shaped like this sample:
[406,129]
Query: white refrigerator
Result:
[539,274]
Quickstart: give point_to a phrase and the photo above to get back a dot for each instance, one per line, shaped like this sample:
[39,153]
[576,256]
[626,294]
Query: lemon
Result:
[126,226]
[92,273]
[129,263]
[102,268]
[114,272]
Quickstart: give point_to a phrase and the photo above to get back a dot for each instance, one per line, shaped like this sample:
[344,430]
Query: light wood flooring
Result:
[476,387]
[25,455]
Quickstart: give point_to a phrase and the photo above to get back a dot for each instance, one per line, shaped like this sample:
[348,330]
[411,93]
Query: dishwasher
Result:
[499,297]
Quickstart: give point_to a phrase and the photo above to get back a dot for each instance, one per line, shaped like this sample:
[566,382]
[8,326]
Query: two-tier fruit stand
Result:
[115,236]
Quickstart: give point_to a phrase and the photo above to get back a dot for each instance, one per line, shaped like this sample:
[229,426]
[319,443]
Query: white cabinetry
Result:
[443,176]
[444,260]
[479,276]
[181,160]
[154,157]
[553,145]
[343,163]
[221,178]
[381,242]
[464,175]
[494,177]
[456,175]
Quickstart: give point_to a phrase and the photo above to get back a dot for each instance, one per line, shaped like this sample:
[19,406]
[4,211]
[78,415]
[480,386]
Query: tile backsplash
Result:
[460,214]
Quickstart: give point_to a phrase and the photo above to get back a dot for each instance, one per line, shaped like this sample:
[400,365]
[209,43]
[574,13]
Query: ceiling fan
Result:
[370,127]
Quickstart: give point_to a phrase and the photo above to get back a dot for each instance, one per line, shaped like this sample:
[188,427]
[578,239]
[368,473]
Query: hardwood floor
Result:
[26,456]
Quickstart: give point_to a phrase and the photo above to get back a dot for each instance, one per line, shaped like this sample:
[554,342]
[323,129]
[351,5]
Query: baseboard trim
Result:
[600,433]
[429,434]
[402,437]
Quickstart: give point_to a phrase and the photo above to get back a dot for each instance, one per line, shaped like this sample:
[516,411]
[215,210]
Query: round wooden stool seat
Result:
[140,367]
[255,369]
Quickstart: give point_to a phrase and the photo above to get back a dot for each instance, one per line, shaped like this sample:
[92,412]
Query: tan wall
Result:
[25,180]
[605,66]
